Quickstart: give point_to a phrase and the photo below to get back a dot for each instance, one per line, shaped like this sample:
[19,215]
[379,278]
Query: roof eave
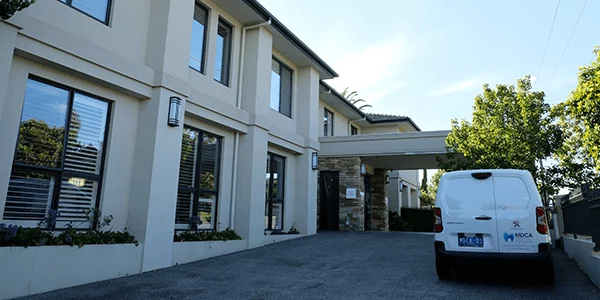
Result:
[265,14]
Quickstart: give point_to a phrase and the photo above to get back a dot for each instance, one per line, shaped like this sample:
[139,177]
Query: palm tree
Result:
[351,97]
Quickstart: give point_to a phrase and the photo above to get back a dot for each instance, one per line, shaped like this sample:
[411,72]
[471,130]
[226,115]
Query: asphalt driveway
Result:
[336,265]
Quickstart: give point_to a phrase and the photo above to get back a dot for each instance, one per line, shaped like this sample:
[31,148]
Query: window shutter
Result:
[197,47]
[200,14]
[187,166]
[286,92]
[29,196]
[225,32]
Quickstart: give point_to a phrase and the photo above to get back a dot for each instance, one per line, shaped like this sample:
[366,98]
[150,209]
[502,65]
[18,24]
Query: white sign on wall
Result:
[351,193]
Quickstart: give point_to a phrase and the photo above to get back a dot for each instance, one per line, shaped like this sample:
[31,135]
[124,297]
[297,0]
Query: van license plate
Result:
[470,241]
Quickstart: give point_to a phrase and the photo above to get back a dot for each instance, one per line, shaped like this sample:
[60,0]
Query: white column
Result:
[153,197]
[252,160]
[8,38]
[307,106]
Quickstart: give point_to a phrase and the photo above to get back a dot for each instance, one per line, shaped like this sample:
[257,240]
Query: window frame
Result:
[204,39]
[69,3]
[196,190]
[282,65]
[59,173]
[269,200]
[327,113]
[353,130]
[229,48]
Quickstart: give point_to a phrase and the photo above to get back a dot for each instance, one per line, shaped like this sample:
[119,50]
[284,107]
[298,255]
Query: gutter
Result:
[238,104]
[291,37]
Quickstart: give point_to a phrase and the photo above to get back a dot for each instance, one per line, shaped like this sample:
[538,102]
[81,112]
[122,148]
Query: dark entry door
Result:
[330,200]
[368,201]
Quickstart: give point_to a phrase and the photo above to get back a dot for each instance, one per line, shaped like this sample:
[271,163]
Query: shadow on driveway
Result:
[332,265]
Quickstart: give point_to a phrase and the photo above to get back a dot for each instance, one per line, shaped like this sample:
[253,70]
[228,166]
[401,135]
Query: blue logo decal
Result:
[510,237]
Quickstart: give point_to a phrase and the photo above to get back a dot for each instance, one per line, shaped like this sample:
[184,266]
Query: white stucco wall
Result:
[380,129]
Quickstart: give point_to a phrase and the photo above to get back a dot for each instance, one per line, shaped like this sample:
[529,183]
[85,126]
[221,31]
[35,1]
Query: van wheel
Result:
[443,269]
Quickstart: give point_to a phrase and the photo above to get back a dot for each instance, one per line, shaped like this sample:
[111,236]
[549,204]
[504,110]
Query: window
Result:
[97,9]
[197,47]
[328,123]
[274,192]
[223,58]
[198,189]
[281,88]
[353,130]
[59,156]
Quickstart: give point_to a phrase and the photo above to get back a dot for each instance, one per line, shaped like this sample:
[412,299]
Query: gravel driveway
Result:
[334,265]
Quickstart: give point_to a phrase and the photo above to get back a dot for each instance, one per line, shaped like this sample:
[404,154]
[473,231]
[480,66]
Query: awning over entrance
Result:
[392,151]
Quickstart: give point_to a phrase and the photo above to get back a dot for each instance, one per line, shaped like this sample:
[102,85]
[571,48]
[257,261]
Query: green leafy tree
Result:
[511,128]
[9,7]
[579,117]
[352,98]
[428,194]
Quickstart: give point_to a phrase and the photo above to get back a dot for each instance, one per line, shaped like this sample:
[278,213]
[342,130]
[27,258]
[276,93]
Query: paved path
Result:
[337,265]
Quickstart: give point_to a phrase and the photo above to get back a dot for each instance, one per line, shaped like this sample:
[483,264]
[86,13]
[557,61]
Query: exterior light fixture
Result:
[363,169]
[387,179]
[315,161]
[174,111]
[400,184]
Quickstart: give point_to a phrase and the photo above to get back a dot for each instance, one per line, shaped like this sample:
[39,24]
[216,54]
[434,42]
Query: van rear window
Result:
[469,194]
[511,193]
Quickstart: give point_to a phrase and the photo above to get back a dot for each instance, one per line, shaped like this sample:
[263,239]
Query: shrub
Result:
[199,236]
[396,223]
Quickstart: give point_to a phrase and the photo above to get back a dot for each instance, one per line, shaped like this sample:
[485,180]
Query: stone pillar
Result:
[305,206]
[252,161]
[153,197]
[379,205]
[349,168]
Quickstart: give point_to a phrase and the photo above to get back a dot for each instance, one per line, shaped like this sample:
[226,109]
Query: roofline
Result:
[341,98]
[261,10]
[364,115]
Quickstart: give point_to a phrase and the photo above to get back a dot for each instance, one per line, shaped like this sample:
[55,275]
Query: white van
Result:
[490,216]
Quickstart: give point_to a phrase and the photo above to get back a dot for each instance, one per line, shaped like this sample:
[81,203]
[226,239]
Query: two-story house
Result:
[158,112]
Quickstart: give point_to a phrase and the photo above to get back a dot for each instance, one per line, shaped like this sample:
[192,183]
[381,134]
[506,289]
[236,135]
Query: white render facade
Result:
[101,78]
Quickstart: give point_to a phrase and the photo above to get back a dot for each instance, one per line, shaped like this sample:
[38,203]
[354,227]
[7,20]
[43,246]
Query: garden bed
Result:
[33,270]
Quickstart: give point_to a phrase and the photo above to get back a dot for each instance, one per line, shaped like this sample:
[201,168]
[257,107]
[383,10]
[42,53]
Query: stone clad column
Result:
[379,205]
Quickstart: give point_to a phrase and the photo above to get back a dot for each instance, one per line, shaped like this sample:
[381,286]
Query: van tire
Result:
[443,269]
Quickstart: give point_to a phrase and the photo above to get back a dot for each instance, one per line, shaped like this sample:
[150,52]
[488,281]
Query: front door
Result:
[368,200]
[329,212]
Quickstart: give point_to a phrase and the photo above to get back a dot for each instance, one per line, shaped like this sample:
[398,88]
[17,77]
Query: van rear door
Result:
[515,212]
[468,212]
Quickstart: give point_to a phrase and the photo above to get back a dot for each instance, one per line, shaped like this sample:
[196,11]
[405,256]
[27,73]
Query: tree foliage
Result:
[579,117]
[511,128]
[428,193]
[9,7]
[352,98]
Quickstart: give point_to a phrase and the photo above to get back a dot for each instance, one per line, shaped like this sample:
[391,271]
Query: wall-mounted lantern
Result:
[387,179]
[174,111]
[400,184]
[315,161]
[363,169]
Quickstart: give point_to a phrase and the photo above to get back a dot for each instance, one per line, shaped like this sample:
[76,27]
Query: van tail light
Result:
[542,224]
[437,225]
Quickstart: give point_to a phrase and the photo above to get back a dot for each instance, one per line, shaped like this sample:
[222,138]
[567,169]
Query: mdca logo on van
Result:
[518,237]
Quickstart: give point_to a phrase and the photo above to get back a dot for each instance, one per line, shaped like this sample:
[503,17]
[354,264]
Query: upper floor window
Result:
[281,88]
[59,157]
[353,130]
[198,44]
[328,123]
[223,58]
[97,9]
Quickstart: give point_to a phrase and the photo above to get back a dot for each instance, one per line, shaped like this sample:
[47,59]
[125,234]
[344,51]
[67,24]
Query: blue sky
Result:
[428,59]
